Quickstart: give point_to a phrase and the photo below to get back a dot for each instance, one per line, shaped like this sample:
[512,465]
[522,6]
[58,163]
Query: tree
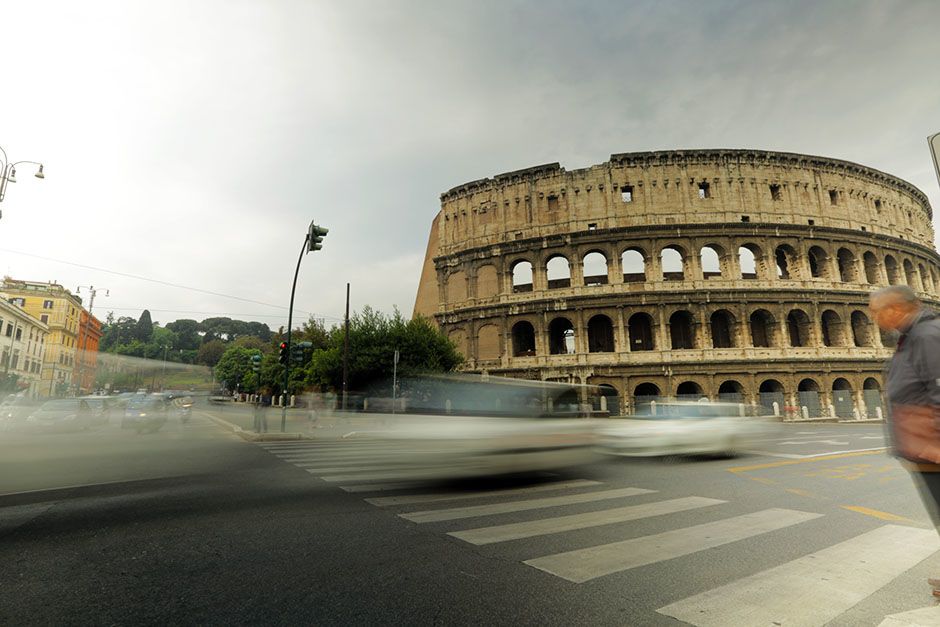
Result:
[187,333]
[234,367]
[144,328]
[210,353]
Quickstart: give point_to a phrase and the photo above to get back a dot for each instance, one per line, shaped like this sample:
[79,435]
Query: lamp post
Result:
[8,173]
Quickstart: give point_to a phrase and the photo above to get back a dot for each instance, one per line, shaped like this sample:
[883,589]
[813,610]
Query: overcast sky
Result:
[192,141]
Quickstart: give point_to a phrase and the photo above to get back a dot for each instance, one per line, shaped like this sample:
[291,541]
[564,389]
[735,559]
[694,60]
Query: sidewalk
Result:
[300,424]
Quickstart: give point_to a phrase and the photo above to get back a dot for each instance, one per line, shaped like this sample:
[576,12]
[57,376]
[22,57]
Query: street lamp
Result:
[8,173]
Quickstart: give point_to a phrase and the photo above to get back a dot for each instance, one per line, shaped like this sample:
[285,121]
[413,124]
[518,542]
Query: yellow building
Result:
[61,310]
[23,340]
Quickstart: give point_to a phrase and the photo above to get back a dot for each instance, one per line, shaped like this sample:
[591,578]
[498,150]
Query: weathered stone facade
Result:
[736,274]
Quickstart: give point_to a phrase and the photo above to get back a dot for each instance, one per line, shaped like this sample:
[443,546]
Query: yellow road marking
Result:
[791,462]
[877,514]
[800,492]
[763,480]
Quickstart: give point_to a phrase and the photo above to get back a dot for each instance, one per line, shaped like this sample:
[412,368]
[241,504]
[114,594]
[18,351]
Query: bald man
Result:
[912,385]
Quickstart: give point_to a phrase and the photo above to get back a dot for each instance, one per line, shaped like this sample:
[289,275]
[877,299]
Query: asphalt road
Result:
[192,525]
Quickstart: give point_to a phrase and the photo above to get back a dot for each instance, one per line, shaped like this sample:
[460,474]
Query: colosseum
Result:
[737,275]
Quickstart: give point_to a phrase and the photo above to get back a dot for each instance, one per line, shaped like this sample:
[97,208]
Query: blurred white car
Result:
[445,447]
[685,428]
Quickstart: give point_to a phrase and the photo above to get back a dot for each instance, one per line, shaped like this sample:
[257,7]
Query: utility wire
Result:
[143,278]
[213,313]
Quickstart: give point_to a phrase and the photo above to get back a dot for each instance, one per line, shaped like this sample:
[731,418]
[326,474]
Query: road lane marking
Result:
[379,487]
[878,514]
[473,511]
[833,442]
[772,454]
[814,589]
[411,499]
[813,458]
[597,561]
[545,526]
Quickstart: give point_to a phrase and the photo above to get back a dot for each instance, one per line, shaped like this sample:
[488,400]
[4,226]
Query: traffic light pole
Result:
[290,322]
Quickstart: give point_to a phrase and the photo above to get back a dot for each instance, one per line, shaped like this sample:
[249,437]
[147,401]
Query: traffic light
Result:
[256,363]
[315,237]
[282,353]
[298,352]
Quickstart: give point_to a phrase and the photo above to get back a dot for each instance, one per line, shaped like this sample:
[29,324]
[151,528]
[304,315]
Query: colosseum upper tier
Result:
[730,274]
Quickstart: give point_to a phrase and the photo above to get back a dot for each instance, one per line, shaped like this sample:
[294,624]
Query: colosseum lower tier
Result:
[737,275]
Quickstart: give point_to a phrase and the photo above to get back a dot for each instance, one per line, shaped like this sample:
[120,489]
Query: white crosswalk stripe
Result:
[516,531]
[411,499]
[473,511]
[596,561]
[813,589]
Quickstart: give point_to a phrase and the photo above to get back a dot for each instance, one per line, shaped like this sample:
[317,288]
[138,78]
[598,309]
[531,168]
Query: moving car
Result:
[145,413]
[14,411]
[685,428]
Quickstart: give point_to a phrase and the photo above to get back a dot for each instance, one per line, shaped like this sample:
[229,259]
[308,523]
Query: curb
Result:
[251,436]
[923,617]
[834,421]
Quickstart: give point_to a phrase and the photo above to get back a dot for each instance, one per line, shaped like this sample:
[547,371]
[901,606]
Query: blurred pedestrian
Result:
[912,385]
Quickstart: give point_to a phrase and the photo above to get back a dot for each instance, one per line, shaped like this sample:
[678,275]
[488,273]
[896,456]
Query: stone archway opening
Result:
[561,339]
[523,339]
[600,335]
[640,326]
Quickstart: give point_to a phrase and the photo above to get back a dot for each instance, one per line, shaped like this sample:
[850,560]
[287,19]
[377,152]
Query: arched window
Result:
[643,395]
[681,330]
[457,287]
[848,271]
[600,334]
[488,342]
[561,337]
[641,332]
[798,326]
[861,329]
[731,392]
[842,398]
[487,281]
[747,259]
[722,326]
[595,269]
[871,392]
[522,276]
[634,266]
[832,329]
[689,390]
[785,259]
[559,272]
[770,393]
[523,339]
[673,264]
[611,398]
[911,276]
[763,329]
[808,395]
[818,263]
[808,385]
[924,278]
[711,262]
[894,273]
[871,268]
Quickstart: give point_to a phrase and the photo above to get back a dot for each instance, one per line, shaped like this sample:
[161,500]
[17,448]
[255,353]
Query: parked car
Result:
[67,414]
[685,428]
[145,413]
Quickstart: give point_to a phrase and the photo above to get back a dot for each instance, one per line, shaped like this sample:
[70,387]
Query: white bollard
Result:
[855,414]
[832,411]
[652,408]
[447,405]
[776,408]
[879,413]
[805,411]
[603,403]
[293,400]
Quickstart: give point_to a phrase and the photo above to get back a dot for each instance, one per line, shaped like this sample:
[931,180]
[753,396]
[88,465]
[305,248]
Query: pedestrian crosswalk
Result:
[811,589]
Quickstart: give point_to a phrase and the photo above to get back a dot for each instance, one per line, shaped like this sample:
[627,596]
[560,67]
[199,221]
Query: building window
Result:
[877,204]
[626,193]
[44,318]
[811,222]
[9,332]
[704,190]
[18,301]
[47,304]
[833,197]
[592,226]
[775,193]
[19,334]
[553,203]
[745,218]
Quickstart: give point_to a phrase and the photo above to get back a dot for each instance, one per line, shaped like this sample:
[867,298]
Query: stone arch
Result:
[818,260]
[808,385]
[861,330]
[682,330]
[731,391]
[763,329]
[521,271]
[924,278]
[643,395]
[842,400]
[722,328]
[872,275]
[689,390]
[871,393]
[710,257]
[832,329]
[595,268]
[523,339]
[633,262]
[640,326]
[561,337]
[558,271]
[808,395]
[487,281]
[787,262]
[488,342]
[910,276]
[893,271]
[457,287]
[600,334]
[748,256]
[771,392]
[611,398]
[459,338]
[672,259]
[799,328]
[848,269]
